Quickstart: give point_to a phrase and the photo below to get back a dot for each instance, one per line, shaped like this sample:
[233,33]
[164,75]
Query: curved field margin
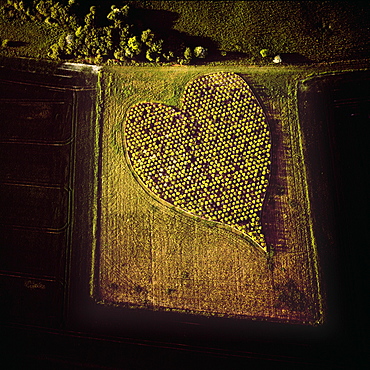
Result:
[210,157]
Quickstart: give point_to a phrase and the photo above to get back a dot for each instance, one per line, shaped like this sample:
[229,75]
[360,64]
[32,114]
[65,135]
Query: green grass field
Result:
[30,39]
[318,30]
[155,256]
[313,31]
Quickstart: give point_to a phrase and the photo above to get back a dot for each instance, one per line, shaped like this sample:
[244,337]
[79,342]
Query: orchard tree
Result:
[55,52]
[188,54]
[5,43]
[90,18]
[119,16]
[200,52]
[147,37]
[44,7]
[134,47]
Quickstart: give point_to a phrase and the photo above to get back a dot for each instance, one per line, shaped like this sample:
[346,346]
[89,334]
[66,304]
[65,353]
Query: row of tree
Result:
[113,37]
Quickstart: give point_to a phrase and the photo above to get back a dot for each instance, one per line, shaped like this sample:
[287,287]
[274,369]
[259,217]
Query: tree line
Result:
[98,36]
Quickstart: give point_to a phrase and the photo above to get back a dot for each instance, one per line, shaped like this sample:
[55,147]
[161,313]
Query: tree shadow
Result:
[16,44]
[359,51]
[159,21]
[162,23]
[215,55]
[295,58]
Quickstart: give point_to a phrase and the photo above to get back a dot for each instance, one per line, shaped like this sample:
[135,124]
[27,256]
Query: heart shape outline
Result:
[229,86]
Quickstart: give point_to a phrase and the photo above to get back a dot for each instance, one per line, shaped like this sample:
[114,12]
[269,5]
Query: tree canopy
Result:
[99,36]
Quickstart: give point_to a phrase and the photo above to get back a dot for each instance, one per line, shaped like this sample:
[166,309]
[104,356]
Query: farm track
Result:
[154,257]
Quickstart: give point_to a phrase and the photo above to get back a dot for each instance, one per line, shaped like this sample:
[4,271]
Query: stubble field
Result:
[155,256]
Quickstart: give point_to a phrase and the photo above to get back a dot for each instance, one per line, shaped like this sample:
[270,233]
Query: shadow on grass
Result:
[359,51]
[215,55]
[161,22]
[16,44]
[294,58]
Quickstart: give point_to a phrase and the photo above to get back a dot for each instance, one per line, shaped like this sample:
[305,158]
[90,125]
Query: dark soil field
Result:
[37,181]
[334,111]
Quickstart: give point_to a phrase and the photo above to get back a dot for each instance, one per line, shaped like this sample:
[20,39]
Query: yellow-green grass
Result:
[28,39]
[318,30]
[153,256]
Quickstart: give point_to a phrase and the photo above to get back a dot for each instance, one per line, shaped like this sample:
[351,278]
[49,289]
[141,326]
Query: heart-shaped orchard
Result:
[210,157]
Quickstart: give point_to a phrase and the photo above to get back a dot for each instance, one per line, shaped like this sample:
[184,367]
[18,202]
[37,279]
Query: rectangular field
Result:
[152,256]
